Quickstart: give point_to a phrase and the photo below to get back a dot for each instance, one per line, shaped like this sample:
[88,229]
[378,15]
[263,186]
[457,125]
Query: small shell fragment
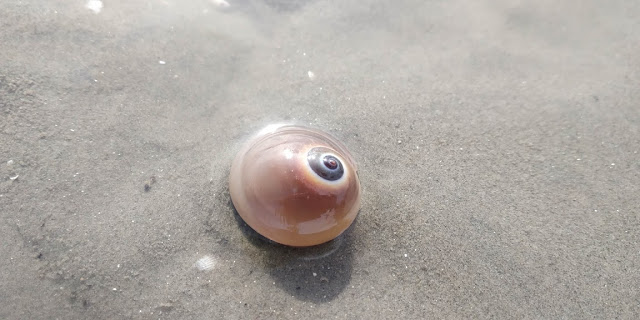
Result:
[205,263]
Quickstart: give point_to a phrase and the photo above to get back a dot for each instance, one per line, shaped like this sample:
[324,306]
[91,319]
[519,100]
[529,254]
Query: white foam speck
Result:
[220,3]
[311,75]
[162,62]
[94,5]
[205,263]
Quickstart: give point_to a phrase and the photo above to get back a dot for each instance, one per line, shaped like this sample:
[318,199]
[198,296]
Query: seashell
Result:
[295,185]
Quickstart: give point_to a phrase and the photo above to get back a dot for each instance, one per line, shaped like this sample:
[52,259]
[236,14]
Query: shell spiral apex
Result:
[295,185]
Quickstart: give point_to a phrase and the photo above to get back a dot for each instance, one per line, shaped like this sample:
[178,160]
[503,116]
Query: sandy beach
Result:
[497,143]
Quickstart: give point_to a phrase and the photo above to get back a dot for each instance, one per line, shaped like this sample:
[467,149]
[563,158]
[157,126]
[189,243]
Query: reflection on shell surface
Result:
[295,185]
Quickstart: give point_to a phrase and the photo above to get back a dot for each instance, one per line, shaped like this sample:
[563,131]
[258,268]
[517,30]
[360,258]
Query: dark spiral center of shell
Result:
[325,164]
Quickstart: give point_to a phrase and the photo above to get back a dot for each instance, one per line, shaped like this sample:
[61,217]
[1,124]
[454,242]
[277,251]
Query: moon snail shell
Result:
[295,185]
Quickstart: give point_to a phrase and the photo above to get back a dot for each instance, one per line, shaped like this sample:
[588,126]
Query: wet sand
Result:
[498,145]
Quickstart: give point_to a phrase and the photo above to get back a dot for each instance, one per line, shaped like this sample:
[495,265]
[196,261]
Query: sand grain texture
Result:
[498,145]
